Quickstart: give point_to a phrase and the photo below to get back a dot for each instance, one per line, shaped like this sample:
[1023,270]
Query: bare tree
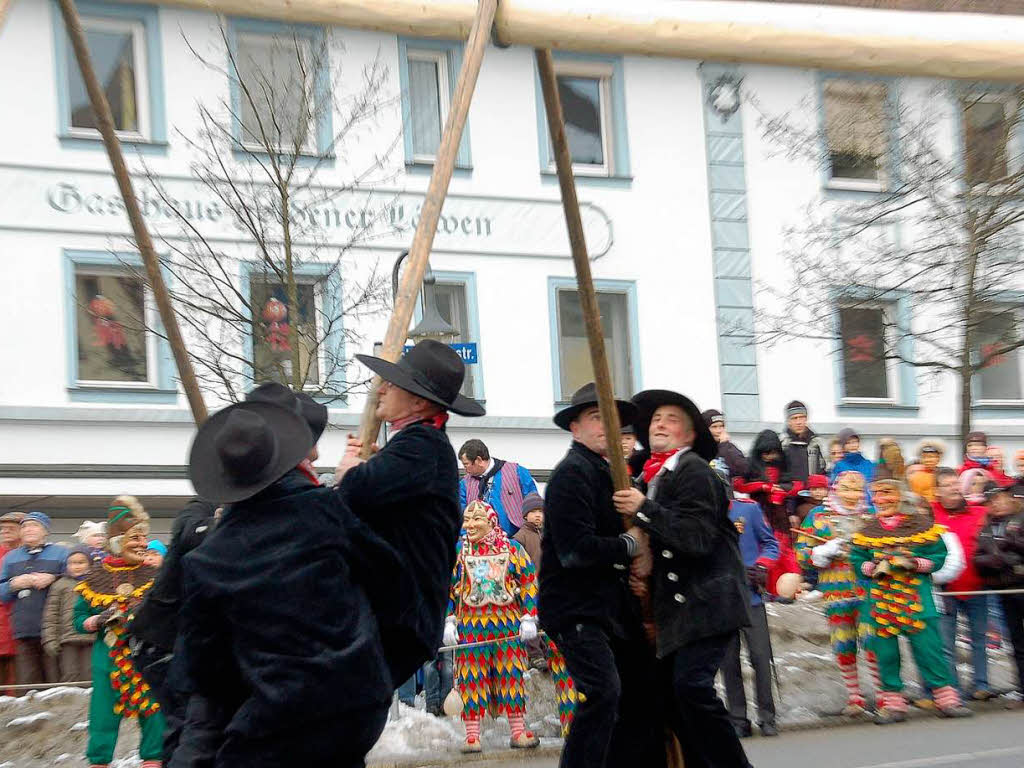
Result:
[940,233]
[285,305]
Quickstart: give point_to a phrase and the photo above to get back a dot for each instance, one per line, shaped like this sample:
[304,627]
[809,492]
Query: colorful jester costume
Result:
[843,593]
[112,589]
[898,553]
[565,690]
[493,592]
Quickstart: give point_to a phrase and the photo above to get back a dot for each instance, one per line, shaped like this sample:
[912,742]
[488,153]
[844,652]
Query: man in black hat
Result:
[699,583]
[408,492]
[585,603]
[280,649]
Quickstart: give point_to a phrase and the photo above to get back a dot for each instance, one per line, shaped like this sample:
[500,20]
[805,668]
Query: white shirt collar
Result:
[670,465]
[490,466]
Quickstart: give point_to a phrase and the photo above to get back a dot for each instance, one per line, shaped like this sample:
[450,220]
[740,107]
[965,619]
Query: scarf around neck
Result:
[436,421]
[654,464]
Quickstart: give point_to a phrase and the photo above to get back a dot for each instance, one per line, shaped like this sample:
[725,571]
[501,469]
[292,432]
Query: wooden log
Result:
[966,46]
[584,278]
[426,228]
[105,123]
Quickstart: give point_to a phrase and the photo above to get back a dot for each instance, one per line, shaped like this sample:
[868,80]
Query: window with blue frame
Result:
[124,43]
[857,132]
[272,325]
[988,123]
[427,72]
[280,87]
[1000,379]
[454,305]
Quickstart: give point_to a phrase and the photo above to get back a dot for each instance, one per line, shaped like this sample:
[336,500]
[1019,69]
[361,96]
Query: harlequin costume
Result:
[843,593]
[898,551]
[566,696]
[493,597]
[112,589]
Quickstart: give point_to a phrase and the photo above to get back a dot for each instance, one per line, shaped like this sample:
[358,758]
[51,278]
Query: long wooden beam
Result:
[966,46]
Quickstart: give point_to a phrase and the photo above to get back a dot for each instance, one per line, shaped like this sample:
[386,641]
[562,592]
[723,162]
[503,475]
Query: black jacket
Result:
[156,619]
[999,557]
[276,629]
[699,583]
[805,454]
[733,457]
[408,494]
[584,563]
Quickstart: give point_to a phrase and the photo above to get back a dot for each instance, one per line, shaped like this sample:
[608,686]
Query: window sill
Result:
[589,180]
[853,407]
[142,146]
[115,394]
[302,160]
[426,167]
[997,409]
[855,187]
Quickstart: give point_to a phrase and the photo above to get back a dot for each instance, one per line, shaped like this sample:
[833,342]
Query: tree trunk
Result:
[966,369]
[292,293]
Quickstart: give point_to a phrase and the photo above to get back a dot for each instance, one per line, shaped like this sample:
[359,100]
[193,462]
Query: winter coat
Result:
[757,544]
[27,614]
[505,492]
[529,537]
[156,620]
[408,494]
[276,624]
[1001,478]
[6,630]
[854,462]
[734,459]
[805,454]
[769,486]
[966,524]
[584,562]
[58,615]
[699,582]
[999,557]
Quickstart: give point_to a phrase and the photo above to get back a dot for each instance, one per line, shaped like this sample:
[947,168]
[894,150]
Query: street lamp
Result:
[432,325]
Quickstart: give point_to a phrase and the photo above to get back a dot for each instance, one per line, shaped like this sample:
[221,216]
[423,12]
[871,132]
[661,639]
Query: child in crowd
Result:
[72,649]
[922,480]
[93,536]
[155,554]
[853,460]
[972,485]
[835,454]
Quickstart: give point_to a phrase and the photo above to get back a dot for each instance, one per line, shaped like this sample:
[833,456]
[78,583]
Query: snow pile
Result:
[61,692]
[415,731]
[30,722]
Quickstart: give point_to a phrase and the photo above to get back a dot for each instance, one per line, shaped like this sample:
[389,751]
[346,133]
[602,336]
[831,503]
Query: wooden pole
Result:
[105,122]
[426,228]
[580,260]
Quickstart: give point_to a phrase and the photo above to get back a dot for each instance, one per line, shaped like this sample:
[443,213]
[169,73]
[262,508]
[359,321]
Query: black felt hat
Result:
[648,401]
[247,446]
[313,412]
[431,370]
[586,397]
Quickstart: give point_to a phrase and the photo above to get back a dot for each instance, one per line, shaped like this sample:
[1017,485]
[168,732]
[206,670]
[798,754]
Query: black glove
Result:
[757,575]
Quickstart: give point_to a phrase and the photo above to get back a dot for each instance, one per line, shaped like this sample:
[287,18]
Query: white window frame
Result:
[319,285]
[440,58]
[1009,104]
[859,185]
[1019,353]
[603,72]
[892,367]
[274,40]
[151,319]
[137,29]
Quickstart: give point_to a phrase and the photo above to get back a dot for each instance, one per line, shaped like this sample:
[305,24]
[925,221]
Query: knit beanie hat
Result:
[125,514]
[795,408]
[846,435]
[159,547]
[36,516]
[12,517]
[977,437]
[89,528]
[711,416]
[532,501]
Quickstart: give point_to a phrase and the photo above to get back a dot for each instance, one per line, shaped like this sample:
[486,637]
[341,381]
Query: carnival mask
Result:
[886,497]
[477,522]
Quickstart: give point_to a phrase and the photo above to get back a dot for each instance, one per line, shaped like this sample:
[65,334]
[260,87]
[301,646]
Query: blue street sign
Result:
[466,351]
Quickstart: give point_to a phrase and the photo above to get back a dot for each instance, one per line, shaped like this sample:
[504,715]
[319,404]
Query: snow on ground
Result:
[52,725]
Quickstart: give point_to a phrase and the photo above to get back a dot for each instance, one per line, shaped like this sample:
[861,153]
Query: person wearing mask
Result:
[759,551]
[502,484]
[10,539]
[965,521]
[585,603]
[804,450]
[728,451]
[853,460]
[71,649]
[26,576]
[999,560]
[700,592]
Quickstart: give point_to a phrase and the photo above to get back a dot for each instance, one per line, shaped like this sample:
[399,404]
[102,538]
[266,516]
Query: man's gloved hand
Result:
[451,632]
[757,575]
[527,629]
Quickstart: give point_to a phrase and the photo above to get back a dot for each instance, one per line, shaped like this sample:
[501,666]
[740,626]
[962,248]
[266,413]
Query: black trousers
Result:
[618,724]
[759,651]
[1013,611]
[696,714]
[153,664]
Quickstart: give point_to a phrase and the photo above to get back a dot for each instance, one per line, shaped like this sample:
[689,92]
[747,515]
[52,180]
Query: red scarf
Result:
[306,467]
[892,522]
[656,462]
[436,421]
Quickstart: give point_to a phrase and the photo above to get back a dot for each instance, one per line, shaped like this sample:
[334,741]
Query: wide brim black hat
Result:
[648,401]
[586,397]
[431,370]
[210,475]
[314,413]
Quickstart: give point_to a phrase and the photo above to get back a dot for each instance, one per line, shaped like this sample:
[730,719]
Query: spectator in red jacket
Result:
[10,538]
[996,459]
[965,521]
[978,456]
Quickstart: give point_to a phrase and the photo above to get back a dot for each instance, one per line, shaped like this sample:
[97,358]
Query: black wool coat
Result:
[584,563]
[408,494]
[276,630]
[699,583]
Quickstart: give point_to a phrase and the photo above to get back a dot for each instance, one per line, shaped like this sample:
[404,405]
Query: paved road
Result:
[992,740]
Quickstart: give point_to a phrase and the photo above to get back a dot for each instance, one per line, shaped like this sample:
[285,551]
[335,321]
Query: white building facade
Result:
[686,203]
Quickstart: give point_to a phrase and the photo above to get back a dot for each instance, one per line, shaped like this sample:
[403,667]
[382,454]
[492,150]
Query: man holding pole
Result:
[585,602]
[699,584]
